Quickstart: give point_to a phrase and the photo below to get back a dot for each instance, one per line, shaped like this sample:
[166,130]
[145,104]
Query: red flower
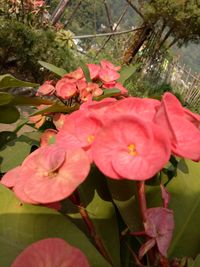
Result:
[128,147]
[182,127]
[51,252]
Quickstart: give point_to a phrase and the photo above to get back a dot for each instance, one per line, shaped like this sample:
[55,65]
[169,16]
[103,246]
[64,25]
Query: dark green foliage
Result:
[21,47]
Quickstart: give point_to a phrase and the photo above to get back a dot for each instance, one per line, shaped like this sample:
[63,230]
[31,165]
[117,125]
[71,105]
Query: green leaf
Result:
[86,72]
[95,197]
[21,225]
[29,101]
[194,263]
[107,93]
[6,137]
[5,98]
[8,114]
[124,196]
[185,202]
[56,108]
[16,150]
[8,81]
[126,73]
[59,71]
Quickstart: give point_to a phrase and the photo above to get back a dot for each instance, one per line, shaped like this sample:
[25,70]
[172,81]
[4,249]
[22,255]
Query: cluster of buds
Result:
[73,86]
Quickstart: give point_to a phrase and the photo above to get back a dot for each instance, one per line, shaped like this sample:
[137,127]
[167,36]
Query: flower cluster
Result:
[74,87]
[131,138]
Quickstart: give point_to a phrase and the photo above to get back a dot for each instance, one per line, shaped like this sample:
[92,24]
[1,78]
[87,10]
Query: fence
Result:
[186,83]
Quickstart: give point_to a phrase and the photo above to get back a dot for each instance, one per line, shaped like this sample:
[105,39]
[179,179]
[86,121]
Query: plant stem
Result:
[84,214]
[142,200]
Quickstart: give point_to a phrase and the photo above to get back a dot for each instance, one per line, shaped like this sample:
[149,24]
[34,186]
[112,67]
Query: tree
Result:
[171,21]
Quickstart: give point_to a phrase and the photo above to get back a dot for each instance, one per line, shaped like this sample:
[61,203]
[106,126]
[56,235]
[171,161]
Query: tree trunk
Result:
[138,40]
[58,12]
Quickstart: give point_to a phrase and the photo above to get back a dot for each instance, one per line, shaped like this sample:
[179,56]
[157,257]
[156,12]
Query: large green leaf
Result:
[8,81]
[59,71]
[21,225]
[16,150]
[124,195]
[8,114]
[5,98]
[185,202]
[95,197]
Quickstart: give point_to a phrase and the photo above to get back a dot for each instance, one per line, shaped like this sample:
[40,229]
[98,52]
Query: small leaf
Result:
[107,93]
[5,98]
[194,263]
[86,72]
[59,71]
[8,114]
[29,101]
[126,73]
[8,81]
[56,108]
[6,137]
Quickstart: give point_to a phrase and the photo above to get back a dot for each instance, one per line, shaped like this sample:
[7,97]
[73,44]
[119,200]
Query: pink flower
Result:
[51,252]
[77,74]
[128,147]
[38,120]
[108,75]
[66,88]
[159,227]
[91,89]
[46,89]
[48,137]
[50,174]
[79,131]
[144,108]
[98,110]
[94,71]
[181,126]
[10,178]
[59,119]
[109,65]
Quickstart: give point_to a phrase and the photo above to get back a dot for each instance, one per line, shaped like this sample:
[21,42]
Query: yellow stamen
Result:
[132,150]
[90,138]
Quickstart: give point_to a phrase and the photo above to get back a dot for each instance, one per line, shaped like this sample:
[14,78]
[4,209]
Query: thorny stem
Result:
[84,214]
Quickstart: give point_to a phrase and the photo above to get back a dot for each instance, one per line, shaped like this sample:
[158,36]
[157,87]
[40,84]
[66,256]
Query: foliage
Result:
[23,47]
